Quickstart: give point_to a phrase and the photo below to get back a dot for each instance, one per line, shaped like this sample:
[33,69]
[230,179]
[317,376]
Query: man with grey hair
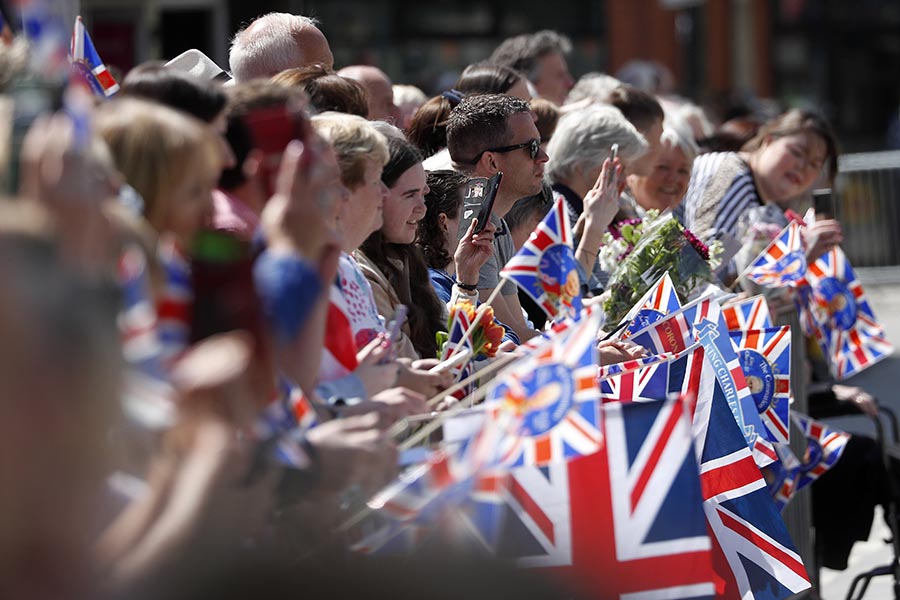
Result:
[380,91]
[541,56]
[487,133]
[275,42]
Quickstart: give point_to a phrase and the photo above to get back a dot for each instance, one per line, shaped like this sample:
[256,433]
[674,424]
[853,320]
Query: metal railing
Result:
[867,203]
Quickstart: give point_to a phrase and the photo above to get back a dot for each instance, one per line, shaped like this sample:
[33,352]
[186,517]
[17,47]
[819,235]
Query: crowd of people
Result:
[196,269]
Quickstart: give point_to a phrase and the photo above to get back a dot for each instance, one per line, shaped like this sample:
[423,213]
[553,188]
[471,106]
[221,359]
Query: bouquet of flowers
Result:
[486,336]
[638,251]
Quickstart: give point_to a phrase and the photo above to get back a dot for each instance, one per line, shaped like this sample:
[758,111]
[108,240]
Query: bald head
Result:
[275,42]
[380,90]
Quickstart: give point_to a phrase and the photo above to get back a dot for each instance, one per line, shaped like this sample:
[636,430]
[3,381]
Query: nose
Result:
[542,156]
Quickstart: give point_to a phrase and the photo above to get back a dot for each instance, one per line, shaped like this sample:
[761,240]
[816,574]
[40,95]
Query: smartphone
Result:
[613,155]
[823,203]
[478,201]
[393,332]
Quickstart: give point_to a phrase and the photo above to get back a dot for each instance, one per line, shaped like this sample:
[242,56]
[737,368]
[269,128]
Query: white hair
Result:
[408,94]
[595,86]
[677,133]
[267,46]
[583,138]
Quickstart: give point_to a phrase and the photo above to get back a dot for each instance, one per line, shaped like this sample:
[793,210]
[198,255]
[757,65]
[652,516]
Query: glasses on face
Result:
[534,148]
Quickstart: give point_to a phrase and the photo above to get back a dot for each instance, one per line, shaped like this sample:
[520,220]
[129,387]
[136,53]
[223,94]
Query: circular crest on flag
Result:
[813,457]
[557,262]
[791,266]
[838,301]
[543,397]
[760,378]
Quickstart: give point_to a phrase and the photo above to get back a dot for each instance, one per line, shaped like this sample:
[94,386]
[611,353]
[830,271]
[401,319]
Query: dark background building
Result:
[838,56]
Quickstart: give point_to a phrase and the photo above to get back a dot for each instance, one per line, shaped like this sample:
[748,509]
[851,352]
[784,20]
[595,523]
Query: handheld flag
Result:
[553,393]
[785,472]
[85,54]
[636,523]
[701,320]
[648,383]
[752,313]
[783,262]
[824,447]
[455,343]
[659,301]
[545,266]
[766,361]
[835,307]
[753,554]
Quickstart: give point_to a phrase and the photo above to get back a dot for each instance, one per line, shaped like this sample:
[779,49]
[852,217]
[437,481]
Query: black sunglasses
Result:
[534,148]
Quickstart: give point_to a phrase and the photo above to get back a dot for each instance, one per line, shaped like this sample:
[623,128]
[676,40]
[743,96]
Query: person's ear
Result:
[487,163]
[442,219]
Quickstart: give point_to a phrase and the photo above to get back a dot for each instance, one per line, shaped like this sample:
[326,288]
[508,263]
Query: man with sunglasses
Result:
[489,133]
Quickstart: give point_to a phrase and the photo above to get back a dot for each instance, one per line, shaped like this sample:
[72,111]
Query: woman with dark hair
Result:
[490,78]
[781,163]
[428,127]
[202,99]
[452,262]
[327,91]
[392,263]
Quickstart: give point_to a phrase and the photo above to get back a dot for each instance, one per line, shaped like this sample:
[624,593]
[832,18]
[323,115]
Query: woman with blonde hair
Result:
[173,161]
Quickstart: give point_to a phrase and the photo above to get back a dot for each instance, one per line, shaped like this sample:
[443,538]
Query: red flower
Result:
[701,248]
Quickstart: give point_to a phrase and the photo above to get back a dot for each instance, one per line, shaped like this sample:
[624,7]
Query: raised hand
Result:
[473,251]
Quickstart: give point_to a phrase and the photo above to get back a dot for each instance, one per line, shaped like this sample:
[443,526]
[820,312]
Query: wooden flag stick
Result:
[497,364]
[431,427]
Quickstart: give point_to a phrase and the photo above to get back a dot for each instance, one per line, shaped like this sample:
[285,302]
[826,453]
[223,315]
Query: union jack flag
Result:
[137,317]
[545,268]
[824,447]
[637,524]
[753,553]
[404,512]
[646,384]
[551,391]
[176,303]
[671,334]
[765,356]
[628,366]
[752,313]
[84,53]
[701,320]
[659,301]
[785,472]
[783,262]
[836,308]
[148,396]
[455,341]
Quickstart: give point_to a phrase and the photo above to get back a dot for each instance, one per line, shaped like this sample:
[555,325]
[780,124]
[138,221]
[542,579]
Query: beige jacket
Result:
[386,301]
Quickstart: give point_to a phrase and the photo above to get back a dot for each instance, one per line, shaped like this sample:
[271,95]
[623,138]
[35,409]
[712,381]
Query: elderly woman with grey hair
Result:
[580,144]
[578,152]
[668,180]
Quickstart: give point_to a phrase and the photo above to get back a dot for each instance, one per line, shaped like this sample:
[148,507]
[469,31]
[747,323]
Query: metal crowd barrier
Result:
[867,204]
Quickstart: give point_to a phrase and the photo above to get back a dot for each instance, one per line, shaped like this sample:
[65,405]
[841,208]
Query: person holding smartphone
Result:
[486,134]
